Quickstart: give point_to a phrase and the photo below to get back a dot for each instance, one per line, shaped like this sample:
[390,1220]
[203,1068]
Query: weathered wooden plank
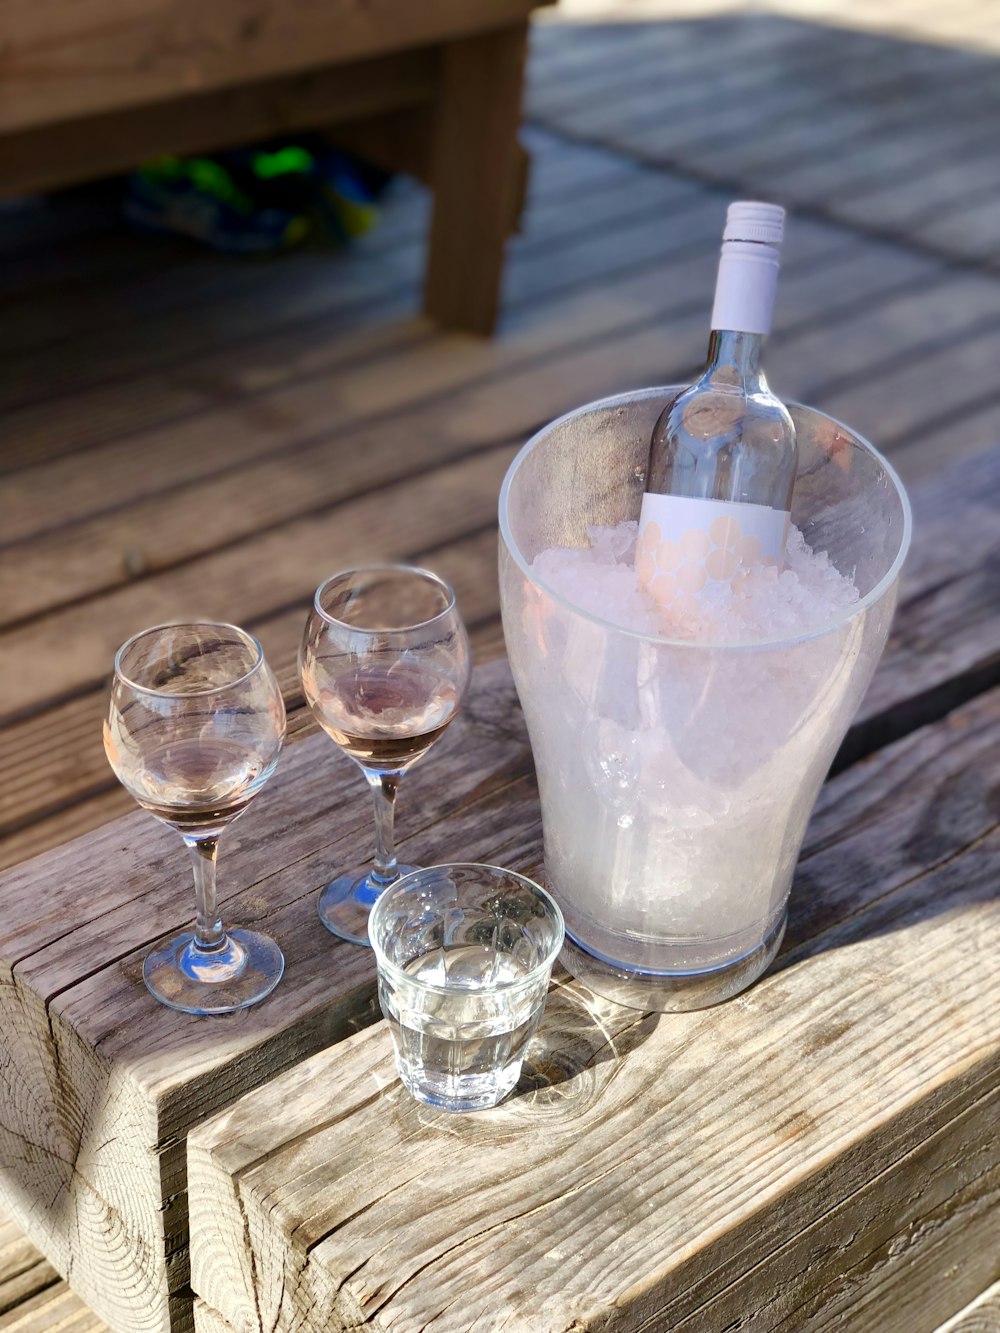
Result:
[175,299]
[83,812]
[56,760]
[101,1083]
[946,191]
[921,395]
[432,378]
[83,815]
[77,236]
[474,170]
[981,1316]
[968,232]
[23,1270]
[803,1149]
[879,106]
[891,159]
[56,1310]
[648,119]
[197,317]
[779,89]
[974,431]
[571,53]
[949,607]
[943,648]
[225,378]
[679,76]
[63,63]
[32,1295]
[862,1268]
[88,147]
[392,522]
[899,331]
[659,64]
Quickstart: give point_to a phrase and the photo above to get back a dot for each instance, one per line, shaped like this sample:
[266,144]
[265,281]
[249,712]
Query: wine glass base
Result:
[346,901]
[255,969]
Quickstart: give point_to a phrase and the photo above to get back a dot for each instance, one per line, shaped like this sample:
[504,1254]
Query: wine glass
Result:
[384,663]
[193,733]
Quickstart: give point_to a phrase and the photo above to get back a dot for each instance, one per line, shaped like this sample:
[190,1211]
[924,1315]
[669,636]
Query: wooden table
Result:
[839,1118]
[433,89]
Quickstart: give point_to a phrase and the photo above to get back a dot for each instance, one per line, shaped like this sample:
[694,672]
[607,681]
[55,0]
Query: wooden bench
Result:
[433,89]
[100,1086]
[820,1152]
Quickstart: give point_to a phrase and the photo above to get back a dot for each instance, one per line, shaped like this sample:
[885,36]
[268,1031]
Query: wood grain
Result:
[818,1146]
[35,782]
[949,608]
[56,1310]
[207,1320]
[123,352]
[268,401]
[943,648]
[101,1083]
[552,358]
[91,146]
[24,1271]
[887,135]
[33,1298]
[981,1316]
[63,62]
[390,522]
[474,169]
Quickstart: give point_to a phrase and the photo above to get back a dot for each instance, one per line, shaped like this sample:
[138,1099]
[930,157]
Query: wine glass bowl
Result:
[384,663]
[194,730]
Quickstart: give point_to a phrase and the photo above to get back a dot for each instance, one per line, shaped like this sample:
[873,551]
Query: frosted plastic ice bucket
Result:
[677,778]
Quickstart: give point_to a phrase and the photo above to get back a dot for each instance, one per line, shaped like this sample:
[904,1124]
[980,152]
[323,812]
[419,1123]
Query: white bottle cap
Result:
[748,268]
[748,220]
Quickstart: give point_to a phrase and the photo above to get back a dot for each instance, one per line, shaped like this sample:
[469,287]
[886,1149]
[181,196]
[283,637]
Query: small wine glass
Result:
[193,733]
[384,662]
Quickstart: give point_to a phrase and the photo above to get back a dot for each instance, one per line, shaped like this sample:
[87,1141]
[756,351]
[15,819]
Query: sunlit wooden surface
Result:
[185,434]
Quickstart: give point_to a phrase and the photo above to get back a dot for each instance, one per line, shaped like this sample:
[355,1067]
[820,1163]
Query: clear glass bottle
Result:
[723,456]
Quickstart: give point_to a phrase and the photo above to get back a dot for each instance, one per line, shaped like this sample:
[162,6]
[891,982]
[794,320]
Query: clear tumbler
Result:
[464,956]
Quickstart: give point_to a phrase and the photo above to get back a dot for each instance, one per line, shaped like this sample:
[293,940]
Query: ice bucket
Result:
[677,777]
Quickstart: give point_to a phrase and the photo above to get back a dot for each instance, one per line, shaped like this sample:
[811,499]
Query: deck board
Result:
[183,432]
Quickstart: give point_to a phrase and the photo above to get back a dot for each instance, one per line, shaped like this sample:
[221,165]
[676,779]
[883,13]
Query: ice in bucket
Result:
[677,774]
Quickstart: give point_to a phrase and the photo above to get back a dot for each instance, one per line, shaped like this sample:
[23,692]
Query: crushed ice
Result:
[765,603]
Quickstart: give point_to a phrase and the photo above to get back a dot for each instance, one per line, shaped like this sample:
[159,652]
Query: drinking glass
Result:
[384,662]
[464,956]
[193,733]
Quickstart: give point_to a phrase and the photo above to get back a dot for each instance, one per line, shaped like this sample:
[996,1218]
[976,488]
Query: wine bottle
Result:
[723,456]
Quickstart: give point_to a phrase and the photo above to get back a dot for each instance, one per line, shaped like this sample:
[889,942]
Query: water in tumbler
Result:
[463,1048]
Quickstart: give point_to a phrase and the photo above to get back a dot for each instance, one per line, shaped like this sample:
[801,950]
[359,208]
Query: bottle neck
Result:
[744,287]
[735,351]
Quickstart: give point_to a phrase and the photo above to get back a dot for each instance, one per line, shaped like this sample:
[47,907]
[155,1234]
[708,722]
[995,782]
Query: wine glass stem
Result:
[208,932]
[384,787]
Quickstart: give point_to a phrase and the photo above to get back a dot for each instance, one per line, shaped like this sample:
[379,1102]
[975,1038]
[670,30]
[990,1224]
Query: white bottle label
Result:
[686,546]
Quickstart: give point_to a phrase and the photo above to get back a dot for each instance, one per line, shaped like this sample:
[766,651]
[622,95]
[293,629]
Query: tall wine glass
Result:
[193,733]
[384,661]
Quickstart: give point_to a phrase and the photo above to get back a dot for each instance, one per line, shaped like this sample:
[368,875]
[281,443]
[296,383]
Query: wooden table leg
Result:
[475,164]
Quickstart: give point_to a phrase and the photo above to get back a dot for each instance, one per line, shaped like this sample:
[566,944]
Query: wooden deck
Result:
[184,434]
